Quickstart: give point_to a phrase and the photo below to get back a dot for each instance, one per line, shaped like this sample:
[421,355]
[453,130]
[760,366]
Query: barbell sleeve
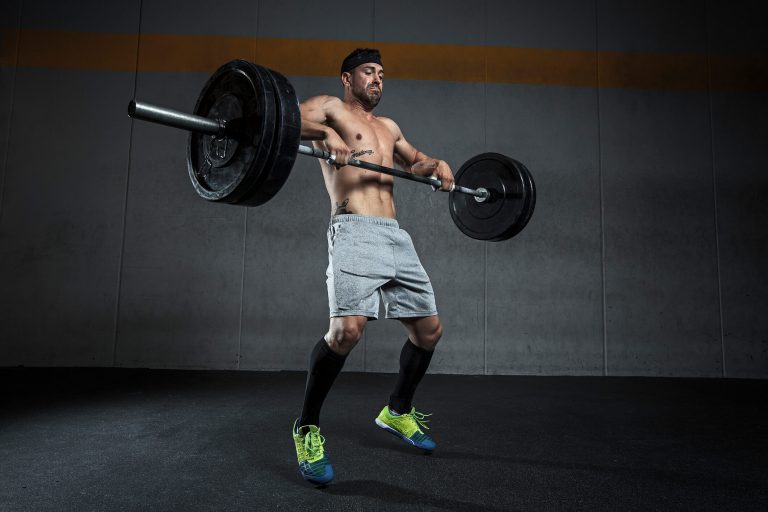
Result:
[176,119]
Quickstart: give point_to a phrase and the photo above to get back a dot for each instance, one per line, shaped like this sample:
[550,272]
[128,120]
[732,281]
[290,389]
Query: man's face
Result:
[367,82]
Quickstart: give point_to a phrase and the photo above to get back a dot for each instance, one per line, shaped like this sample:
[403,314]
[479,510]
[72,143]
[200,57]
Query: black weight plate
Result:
[225,169]
[531,186]
[513,196]
[286,143]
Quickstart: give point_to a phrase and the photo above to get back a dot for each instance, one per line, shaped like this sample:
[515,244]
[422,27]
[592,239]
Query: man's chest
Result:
[362,135]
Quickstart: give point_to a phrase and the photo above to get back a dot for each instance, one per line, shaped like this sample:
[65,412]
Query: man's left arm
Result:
[418,163]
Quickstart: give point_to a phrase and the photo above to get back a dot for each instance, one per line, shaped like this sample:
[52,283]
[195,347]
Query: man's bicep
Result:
[405,150]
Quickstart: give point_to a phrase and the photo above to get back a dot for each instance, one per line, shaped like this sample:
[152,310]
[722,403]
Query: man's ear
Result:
[346,78]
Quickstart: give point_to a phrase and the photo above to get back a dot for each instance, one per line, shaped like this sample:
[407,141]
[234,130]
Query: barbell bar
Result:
[245,134]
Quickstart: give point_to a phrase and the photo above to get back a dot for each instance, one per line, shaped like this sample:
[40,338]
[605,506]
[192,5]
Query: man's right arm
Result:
[315,113]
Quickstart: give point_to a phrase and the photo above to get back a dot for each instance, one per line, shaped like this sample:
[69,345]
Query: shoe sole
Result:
[315,482]
[394,432]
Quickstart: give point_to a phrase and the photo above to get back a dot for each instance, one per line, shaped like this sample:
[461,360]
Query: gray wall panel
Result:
[661,275]
[180,298]
[544,286]
[198,17]
[62,208]
[83,15]
[740,130]
[737,27]
[651,26]
[61,222]
[415,21]
[333,19]
[560,24]
[662,299]
[183,256]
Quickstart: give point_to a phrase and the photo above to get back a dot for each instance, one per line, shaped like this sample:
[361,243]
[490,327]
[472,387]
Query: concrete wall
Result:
[646,254]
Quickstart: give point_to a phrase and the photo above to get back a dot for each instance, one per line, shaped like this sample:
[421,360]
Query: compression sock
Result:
[324,366]
[414,362]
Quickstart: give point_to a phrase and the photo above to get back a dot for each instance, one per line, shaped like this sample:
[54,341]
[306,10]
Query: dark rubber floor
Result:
[116,439]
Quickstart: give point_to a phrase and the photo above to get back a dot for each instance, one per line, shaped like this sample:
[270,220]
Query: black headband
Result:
[361,56]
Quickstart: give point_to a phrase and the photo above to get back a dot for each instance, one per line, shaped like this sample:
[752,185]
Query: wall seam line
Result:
[485,244]
[714,188]
[240,313]
[121,255]
[242,291]
[10,113]
[602,194]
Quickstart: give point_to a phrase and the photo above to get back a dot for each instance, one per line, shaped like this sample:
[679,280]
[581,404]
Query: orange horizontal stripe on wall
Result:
[77,50]
[677,72]
[408,61]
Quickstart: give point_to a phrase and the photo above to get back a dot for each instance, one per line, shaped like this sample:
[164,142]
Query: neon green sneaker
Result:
[314,465]
[407,427]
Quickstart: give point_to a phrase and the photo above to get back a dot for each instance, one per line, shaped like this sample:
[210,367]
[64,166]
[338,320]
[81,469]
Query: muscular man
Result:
[369,256]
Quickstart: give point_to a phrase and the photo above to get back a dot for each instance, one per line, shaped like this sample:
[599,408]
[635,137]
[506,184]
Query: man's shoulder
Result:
[390,123]
[326,100]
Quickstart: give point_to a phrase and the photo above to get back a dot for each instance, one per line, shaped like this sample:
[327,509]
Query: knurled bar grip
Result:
[200,124]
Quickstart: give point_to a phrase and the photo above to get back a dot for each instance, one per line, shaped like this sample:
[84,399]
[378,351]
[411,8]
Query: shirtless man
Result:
[369,256]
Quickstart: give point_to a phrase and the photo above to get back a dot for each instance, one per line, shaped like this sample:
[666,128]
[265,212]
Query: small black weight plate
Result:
[286,142]
[224,169]
[507,211]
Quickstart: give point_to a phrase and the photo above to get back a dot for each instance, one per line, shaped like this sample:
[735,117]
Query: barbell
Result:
[245,134]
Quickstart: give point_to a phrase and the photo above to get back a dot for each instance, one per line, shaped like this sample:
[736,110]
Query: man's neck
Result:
[358,107]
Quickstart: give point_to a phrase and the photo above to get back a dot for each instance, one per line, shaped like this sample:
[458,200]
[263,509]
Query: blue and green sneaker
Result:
[314,465]
[407,427]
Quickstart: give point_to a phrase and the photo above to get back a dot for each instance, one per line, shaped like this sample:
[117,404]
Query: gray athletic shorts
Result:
[372,256]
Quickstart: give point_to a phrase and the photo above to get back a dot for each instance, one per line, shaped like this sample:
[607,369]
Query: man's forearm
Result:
[311,130]
[424,165]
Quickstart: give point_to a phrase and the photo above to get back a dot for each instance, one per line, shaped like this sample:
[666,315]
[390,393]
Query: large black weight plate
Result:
[226,169]
[285,146]
[513,197]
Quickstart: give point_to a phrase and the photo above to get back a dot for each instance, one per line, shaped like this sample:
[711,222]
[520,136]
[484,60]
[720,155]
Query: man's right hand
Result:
[337,147]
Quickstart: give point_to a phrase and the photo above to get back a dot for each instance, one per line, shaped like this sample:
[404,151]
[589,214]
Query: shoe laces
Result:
[419,418]
[313,444]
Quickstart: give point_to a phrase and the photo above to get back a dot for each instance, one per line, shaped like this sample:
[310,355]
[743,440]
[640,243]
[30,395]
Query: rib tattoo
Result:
[341,209]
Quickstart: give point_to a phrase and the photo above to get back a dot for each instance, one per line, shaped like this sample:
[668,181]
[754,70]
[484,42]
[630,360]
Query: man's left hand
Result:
[444,174]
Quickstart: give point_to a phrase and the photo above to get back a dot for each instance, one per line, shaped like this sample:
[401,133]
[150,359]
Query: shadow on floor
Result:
[399,495]
[688,476]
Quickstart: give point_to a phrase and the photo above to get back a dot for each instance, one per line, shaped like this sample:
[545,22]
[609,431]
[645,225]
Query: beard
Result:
[369,97]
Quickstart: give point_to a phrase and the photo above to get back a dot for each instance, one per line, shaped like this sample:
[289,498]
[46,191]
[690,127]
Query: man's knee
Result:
[427,339]
[344,335]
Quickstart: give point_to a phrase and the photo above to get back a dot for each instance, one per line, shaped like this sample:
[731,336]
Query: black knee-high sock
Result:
[414,362]
[324,366]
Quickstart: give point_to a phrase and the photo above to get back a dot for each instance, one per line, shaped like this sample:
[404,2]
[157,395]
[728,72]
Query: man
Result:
[368,256]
